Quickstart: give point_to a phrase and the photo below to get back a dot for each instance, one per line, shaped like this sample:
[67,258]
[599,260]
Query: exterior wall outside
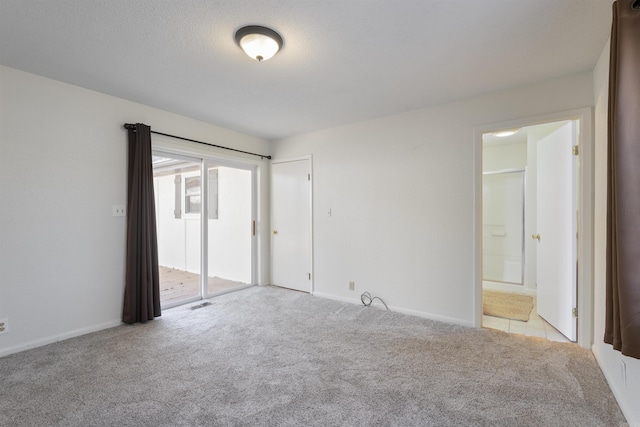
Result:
[229,234]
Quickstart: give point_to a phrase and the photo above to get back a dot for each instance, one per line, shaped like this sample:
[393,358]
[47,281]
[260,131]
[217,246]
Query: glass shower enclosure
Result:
[503,226]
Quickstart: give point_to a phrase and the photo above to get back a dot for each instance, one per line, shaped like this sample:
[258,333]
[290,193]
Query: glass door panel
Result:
[178,197]
[229,228]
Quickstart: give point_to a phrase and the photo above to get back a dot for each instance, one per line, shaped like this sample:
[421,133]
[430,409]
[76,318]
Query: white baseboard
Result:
[614,385]
[337,298]
[60,337]
[431,316]
[424,315]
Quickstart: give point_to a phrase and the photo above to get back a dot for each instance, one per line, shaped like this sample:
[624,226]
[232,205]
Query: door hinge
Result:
[575,150]
[308,177]
[574,311]
[309,274]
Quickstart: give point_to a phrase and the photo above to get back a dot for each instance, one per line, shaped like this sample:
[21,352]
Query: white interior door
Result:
[557,230]
[291,224]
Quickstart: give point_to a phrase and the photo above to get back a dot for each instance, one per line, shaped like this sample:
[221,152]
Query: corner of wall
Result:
[622,372]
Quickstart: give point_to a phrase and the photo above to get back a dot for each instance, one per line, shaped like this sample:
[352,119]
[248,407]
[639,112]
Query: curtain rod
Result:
[262,156]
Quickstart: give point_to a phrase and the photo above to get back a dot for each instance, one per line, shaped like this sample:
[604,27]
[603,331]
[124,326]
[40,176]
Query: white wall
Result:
[610,360]
[504,156]
[401,189]
[62,167]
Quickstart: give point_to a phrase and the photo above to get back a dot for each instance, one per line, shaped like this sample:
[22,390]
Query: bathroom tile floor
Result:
[536,326]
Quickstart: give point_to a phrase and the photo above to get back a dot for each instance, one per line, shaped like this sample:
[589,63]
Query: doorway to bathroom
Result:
[530,191]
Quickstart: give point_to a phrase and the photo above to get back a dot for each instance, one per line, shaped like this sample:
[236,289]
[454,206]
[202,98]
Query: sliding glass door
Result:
[229,228]
[204,212]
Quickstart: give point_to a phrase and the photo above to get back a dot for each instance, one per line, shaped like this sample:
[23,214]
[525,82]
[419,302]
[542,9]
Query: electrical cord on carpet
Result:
[367,300]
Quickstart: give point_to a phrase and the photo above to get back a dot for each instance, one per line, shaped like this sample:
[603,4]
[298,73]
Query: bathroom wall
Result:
[505,156]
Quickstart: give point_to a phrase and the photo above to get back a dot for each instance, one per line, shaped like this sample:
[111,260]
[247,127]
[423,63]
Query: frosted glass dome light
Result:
[504,133]
[259,43]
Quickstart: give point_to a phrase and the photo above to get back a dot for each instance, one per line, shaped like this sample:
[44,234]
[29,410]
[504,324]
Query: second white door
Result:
[291,224]
[557,230]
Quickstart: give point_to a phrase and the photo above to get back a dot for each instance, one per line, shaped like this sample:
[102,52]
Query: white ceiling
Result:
[343,61]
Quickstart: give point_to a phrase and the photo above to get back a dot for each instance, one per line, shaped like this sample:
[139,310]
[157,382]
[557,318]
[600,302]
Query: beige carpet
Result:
[267,356]
[507,305]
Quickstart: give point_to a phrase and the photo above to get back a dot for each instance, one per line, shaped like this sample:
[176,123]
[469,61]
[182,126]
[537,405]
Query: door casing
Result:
[585,215]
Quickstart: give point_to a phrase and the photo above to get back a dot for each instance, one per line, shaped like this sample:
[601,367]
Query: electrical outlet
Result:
[4,326]
[352,286]
[118,210]
[623,372]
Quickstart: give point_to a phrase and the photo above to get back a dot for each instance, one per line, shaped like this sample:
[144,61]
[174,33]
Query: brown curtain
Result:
[622,328]
[142,290]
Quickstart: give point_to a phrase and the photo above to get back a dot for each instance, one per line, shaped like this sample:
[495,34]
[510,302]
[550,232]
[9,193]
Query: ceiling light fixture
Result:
[504,133]
[260,43]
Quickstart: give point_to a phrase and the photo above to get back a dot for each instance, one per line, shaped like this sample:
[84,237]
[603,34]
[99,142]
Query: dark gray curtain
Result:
[142,290]
[622,328]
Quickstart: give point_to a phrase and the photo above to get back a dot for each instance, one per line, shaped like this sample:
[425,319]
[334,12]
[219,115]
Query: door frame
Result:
[164,145]
[308,157]
[584,116]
